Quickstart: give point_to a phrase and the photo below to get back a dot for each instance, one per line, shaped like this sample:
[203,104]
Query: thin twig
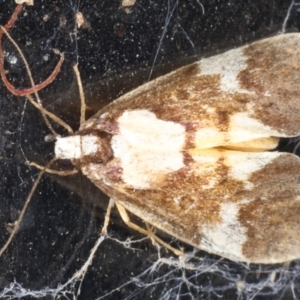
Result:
[31,80]
[10,87]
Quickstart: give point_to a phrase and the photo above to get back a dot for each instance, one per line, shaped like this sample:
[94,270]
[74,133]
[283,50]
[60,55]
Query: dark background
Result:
[117,50]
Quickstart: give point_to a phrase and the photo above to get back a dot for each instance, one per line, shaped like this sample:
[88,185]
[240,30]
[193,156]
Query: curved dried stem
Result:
[9,86]
[31,80]
[34,88]
[37,87]
[14,16]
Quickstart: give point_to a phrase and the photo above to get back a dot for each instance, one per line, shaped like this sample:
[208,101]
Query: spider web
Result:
[117,49]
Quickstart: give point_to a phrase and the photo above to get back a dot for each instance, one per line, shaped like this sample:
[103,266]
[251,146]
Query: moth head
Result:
[83,148]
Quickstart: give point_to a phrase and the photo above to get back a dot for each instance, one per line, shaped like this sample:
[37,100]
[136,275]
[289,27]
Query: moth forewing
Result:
[187,152]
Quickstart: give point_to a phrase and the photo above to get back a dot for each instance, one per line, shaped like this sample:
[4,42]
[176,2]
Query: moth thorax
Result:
[78,147]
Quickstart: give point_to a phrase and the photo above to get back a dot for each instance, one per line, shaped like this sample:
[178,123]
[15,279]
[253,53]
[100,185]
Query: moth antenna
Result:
[81,93]
[23,211]
[51,115]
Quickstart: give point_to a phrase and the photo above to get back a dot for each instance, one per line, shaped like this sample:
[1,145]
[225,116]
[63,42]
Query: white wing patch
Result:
[227,236]
[242,128]
[243,164]
[147,147]
[228,65]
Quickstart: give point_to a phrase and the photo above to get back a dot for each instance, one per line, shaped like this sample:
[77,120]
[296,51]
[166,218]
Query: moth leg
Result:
[53,171]
[107,216]
[139,229]
[150,229]
[23,211]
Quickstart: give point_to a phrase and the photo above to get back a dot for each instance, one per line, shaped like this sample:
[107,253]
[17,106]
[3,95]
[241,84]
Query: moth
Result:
[189,152]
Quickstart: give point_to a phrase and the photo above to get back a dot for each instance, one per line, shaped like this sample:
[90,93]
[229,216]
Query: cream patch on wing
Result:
[206,162]
[242,128]
[240,165]
[228,65]
[242,124]
[243,165]
[147,147]
[227,236]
